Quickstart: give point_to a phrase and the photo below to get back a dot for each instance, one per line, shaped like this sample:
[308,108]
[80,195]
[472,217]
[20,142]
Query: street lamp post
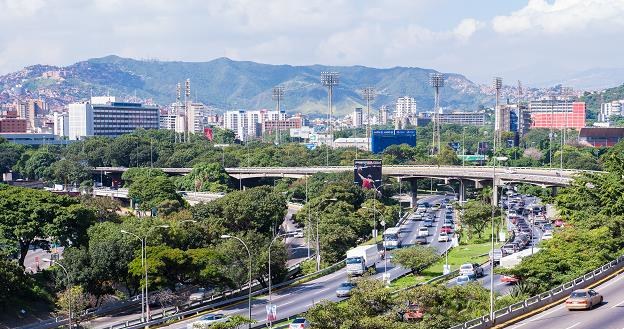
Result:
[146,313]
[375,206]
[270,278]
[69,300]
[494,203]
[383,223]
[142,267]
[226,236]
[463,146]
[318,243]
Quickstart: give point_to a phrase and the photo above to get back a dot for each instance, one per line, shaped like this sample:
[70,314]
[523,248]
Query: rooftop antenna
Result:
[436,80]
[369,95]
[278,95]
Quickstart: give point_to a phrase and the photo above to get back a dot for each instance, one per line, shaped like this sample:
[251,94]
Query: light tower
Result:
[189,120]
[369,95]
[329,80]
[278,95]
[436,80]
[177,111]
[497,83]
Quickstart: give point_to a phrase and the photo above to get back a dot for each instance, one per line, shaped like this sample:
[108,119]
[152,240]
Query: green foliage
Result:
[14,284]
[67,171]
[133,174]
[10,153]
[37,163]
[154,192]
[205,177]
[74,300]
[475,216]
[416,258]
[28,217]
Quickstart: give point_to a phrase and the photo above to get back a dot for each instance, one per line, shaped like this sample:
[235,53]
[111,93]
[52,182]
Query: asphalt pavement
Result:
[608,315]
[298,299]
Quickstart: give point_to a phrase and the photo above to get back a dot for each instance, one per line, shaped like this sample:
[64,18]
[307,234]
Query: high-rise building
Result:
[557,114]
[357,117]
[383,115]
[111,119]
[462,118]
[607,110]
[61,124]
[236,121]
[405,107]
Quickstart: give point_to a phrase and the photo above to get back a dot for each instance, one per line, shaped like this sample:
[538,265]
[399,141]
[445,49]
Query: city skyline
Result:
[447,36]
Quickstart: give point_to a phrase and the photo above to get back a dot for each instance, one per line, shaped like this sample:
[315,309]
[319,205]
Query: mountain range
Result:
[226,84]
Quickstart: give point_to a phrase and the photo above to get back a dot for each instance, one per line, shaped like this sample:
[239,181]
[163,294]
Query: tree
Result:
[447,157]
[67,171]
[134,174]
[416,258]
[10,153]
[105,209]
[36,164]
[33,217]
[151,192]
[166,266]
[475,215]
[14,284]
[205,177]
[74,300]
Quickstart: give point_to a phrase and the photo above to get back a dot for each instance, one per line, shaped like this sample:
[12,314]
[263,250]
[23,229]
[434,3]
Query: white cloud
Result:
[466,28]
[562,16]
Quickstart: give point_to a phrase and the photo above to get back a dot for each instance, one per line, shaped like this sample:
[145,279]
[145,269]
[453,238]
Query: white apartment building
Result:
[405,107]
[383,115]
[249,124]
[236,121]
[111,119]
[607,110]
[61,124]
[357,117]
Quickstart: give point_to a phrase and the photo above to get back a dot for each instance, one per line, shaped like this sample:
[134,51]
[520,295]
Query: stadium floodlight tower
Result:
[497,83]
[369,95]
[329,80]
[278,95]
[436,80]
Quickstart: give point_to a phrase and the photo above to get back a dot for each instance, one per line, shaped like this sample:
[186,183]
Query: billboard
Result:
[208,133]
[381,139]
[367,173]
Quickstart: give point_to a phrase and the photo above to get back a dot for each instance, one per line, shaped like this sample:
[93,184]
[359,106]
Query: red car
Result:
[558,223]
[446,229]
[509,279]
[413,312]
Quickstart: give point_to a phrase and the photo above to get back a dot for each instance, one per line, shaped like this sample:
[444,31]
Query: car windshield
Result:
[210,317]
[578,294]
[354,260]
[346,285]
[466,267]
[390,237]
[299,321]
[463,279]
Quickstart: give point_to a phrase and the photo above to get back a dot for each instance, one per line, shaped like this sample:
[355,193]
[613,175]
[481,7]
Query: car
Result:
[444,237]
[436,207]
[509,249]
[428,223]
[298,233]
[345,288]
[558,223]
[474,270]
[547,235]
[509,279]
[583,299]
[299,323]
[423,231]
[420,240]
[547,227]
[208,320]
[446,228]
[462,280]
[200,294]
[449,206]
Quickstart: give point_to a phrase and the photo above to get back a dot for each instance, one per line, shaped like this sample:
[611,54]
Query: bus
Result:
[391,238]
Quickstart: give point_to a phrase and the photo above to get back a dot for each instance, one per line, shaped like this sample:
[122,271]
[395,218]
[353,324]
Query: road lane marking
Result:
[574,325]
[612,282]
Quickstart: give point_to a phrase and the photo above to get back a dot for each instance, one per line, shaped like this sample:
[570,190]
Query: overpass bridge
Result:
[480,175]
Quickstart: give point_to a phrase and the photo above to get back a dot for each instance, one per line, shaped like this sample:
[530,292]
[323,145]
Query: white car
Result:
[208,320]
[298,233]
[299,323]
[201,294]
[423,231]
[547,235]
[444,237]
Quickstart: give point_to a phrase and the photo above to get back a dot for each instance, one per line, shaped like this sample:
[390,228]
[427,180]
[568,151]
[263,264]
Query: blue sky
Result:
[529,40]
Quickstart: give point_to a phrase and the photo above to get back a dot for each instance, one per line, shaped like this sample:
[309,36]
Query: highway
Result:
[298,299]
[609,315]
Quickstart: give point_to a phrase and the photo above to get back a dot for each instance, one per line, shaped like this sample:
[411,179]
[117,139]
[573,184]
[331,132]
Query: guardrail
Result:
[543,299]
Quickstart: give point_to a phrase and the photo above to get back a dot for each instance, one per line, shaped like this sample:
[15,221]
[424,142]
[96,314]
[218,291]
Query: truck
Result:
[360,259]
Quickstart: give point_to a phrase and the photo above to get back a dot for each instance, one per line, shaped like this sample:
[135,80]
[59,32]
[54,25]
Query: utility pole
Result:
[369,95]
[436,80]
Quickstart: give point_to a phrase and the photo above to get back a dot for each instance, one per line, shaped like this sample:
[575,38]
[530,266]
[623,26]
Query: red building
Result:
[557,114]
[13,125]
[601,137]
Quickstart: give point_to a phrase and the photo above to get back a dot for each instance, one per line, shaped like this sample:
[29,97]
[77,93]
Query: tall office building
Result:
[61,124]
[405,107]
[607,110]
[557,114]
[236,121]
[111,119]
[383,115]
[357,117]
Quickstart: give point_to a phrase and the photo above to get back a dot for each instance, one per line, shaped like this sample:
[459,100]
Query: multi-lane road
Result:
[608,315]
[298,299]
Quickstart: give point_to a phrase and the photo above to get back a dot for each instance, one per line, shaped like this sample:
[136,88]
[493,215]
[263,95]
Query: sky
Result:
[528,40]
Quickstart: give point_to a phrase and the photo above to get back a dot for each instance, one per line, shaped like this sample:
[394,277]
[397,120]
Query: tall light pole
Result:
[144,263]
[318,243]
[142,267]
[494,203]
[226,236]
[369,95]
[329,80]
[270,278]
[69,300]
[375,206]
[497,84]
[463,146]
[384,245]
[436,80]
[278,95]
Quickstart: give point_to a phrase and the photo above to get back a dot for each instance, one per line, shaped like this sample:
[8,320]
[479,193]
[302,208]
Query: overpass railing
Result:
[554,295]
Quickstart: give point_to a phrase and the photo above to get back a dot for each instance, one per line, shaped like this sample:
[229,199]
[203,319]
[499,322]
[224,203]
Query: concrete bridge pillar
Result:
[462,192]
[413,184]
